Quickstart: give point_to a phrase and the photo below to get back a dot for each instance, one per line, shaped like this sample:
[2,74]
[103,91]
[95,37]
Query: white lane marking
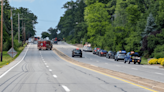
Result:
[47,66]
[152,67]
[66,88]
[134,68]
[15,64]
[159,73]
[118,65]
[55,76]
[50,70]
[94,65]
[45,63]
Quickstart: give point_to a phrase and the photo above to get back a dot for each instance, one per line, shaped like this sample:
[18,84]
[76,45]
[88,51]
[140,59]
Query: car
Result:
[76,52]
[109,54]
[120,55]
[102,53]
[132,57]
[87,48]
[95,49]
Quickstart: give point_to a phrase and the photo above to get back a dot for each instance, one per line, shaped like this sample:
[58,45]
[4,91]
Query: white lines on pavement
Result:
[134,68]
[15,64]
[66,88]
[55,76]
[45,63]
[159,73]
[118,65]
[94,65]
[50,70]
[47,66]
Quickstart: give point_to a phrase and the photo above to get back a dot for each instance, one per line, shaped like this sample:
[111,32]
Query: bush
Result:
[162,62]
[159,51]
[153,61]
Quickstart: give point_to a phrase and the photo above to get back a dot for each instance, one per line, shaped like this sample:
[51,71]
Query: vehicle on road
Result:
[56,40]
[103,52]
[76,52]
[88,49]
[120,55]
[95,49]
[45,45]
[132,57]
[110,54]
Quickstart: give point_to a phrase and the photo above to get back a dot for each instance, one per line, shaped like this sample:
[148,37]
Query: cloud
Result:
[21,0]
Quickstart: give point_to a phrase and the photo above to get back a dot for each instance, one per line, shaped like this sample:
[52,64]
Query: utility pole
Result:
[24,34]
[12,29]
[18,28]
[1,30]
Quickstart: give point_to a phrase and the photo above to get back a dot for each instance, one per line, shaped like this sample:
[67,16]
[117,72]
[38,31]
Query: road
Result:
[144,71]
[44,71]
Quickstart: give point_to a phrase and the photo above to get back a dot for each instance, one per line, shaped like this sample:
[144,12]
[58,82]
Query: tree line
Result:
[131,25]
[27,18]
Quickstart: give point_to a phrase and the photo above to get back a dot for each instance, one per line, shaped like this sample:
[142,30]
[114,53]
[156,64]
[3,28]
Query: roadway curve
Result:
[44,71]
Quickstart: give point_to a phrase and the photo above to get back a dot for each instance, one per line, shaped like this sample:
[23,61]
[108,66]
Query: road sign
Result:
[12,52]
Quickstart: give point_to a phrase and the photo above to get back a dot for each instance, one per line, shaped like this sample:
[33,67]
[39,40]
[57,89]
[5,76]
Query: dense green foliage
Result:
[27,18]
[136,25]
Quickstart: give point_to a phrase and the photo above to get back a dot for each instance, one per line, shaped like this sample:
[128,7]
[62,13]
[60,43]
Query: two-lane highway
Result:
[44,71]
[144,71]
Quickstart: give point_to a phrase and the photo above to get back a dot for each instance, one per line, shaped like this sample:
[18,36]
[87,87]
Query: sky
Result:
[47,11]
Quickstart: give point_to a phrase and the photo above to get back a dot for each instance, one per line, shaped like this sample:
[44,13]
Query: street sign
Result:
[12,52]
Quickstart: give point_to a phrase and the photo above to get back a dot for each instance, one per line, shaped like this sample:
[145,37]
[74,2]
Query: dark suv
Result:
[76,52]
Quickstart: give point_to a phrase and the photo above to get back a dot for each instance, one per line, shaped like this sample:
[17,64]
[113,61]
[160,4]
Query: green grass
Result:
[7,59]
[144,61]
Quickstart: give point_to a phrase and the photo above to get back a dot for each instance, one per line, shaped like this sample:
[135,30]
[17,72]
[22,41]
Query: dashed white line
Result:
[45,63]
[134,68]
[66,88]
[55,76]
[50,70]
[47,66]
[159,73]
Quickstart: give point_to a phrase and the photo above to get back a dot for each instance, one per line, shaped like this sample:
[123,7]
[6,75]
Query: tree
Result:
[45,34]
[150,26]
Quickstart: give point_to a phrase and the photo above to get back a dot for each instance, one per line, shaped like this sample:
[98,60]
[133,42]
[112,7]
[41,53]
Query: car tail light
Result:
[101,52]
[95,50]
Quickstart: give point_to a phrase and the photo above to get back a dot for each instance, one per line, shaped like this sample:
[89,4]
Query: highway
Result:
[44,71]
[144,71]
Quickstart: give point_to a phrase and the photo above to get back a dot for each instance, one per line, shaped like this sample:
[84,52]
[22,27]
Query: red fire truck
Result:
[45,45]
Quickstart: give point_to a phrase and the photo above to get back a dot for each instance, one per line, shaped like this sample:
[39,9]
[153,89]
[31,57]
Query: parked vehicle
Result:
[102,53]
[76,52]
[95,49]
[132,57]
[86,48]
[120,55]
[45,45]
[109,54]
[56,40]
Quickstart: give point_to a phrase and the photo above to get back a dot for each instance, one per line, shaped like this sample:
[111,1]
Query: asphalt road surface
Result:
[44,71]
[144,71]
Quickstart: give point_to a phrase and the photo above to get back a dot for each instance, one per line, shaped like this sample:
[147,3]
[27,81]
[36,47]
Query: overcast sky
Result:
[47,11]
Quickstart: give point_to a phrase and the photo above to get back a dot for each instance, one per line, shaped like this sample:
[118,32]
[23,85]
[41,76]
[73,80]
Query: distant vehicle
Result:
[97,52]
[132,57]
[110,54]
[45,45]
[36,38]
[95,49]
[120,55]
[102,53]
[86,48]
[56,40]
[76,52]
[30,40]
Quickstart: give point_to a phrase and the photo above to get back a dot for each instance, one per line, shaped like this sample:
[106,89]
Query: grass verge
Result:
[144,61]
[7,59]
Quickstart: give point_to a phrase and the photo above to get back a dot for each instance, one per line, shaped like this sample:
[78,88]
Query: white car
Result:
[87,48]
